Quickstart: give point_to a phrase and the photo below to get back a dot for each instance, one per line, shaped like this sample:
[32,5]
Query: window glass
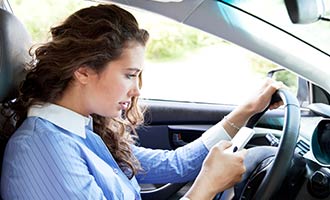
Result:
[186,64]
[182,63]
[39,15]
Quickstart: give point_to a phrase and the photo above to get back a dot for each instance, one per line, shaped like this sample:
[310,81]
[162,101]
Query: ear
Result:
[83,74]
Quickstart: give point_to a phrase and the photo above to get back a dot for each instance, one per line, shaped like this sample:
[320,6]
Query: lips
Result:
[124,105]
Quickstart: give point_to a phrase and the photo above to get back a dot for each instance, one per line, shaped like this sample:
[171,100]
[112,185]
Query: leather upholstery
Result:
[14,44]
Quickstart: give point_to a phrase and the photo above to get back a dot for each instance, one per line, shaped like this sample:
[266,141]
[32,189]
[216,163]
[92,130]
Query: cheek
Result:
[112,91]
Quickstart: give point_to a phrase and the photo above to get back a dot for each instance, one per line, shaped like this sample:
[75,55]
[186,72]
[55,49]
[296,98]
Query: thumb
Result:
[224,144]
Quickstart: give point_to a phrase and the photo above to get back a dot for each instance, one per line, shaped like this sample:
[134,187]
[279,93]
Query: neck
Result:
[73,99]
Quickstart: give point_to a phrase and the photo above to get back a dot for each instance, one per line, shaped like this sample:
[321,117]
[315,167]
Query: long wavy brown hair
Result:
[91,37]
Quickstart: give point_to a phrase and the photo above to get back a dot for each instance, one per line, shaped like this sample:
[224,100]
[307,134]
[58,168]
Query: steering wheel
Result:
[270,178]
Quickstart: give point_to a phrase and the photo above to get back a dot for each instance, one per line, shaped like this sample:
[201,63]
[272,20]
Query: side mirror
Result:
[305,11]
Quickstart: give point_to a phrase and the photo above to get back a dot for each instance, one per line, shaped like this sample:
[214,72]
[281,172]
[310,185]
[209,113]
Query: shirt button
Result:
[115,170]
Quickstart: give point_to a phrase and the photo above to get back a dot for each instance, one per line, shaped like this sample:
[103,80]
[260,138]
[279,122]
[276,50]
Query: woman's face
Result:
[111,91]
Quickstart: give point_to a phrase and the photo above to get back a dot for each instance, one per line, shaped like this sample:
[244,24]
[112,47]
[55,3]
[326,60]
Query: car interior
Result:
[13,57]
[291,172]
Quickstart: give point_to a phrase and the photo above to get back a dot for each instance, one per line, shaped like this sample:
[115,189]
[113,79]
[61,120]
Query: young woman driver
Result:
[77,110]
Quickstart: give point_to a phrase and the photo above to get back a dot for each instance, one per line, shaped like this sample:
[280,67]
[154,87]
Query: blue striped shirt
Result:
[56,155]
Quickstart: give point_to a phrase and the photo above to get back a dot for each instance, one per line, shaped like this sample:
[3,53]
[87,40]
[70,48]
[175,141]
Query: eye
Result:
[130,76]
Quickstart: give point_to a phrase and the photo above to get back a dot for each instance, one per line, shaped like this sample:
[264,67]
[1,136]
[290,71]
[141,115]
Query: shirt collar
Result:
[62,117]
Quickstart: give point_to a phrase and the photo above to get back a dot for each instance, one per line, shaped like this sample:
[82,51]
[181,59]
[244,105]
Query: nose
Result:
[135,90]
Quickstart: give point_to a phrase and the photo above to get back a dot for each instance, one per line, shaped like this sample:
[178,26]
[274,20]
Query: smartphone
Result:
[241,138]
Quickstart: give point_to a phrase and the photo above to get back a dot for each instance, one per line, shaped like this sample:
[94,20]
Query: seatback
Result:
[14,44]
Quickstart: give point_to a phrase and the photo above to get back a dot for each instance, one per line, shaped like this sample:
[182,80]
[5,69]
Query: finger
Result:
[283,86]
[271,89]
[278,84]
[268,81]
[272,107]
[242,153]
[243,170]
[276,105]
[224,144]
[274,83]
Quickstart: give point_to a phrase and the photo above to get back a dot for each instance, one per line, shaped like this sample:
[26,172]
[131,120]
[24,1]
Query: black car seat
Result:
[14,44]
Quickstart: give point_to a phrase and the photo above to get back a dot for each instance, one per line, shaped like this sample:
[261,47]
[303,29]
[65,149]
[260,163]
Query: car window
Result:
[38,21]
[182,63]
[187,64]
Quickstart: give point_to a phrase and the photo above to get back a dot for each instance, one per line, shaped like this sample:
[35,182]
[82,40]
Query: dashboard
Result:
[314,146]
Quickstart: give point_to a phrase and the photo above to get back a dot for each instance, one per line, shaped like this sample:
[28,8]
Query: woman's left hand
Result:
[262,98]
[256,104]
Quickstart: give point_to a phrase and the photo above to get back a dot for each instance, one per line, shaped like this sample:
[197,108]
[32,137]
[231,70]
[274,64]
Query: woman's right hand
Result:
[220,171]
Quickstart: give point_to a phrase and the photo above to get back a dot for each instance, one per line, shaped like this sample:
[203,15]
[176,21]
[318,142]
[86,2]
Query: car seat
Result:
[14,44]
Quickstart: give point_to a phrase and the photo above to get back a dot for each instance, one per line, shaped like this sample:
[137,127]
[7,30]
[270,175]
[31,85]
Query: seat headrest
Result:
[14,45]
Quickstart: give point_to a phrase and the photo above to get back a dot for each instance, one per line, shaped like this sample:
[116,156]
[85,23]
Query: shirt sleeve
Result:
[182,164]
[46,168]
[170,166]
[213,135]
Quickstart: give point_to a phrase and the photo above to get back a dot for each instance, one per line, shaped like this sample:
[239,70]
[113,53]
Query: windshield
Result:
[274,11]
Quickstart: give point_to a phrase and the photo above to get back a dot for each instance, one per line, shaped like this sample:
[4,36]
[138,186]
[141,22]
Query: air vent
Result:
[302,147]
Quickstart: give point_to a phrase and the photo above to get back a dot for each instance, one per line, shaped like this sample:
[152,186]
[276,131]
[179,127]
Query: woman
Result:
[77,111]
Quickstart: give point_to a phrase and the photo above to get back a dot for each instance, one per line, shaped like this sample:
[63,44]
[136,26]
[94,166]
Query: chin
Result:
[116,114]
[110,114]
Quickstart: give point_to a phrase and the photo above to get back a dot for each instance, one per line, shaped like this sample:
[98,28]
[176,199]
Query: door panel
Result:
[173,124]
[170,125]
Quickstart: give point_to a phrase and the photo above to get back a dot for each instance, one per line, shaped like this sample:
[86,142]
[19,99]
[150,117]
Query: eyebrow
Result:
[133,69]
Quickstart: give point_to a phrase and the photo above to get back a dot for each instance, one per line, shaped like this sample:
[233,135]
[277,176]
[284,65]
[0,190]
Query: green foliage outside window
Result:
[174,41]
[170,42]
[39,21]
[262,67]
